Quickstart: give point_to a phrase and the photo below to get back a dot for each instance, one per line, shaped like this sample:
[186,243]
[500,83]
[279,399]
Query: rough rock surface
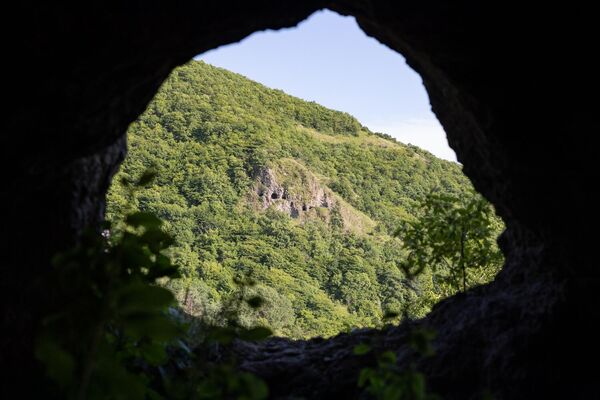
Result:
[510,83]
[307,193]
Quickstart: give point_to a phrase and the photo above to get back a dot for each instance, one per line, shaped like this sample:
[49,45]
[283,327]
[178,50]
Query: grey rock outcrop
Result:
[309,194]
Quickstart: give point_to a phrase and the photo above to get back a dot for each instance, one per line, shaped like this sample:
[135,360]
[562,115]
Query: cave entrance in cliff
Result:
[261,187]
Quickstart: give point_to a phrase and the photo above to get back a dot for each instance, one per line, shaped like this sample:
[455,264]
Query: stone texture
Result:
[511,84]
[296,200]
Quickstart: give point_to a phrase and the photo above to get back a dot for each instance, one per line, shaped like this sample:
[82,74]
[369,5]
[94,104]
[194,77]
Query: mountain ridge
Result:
[213,135]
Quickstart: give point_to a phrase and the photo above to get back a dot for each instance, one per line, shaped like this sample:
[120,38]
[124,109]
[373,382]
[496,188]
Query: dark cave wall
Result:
[79,74]
[510,84]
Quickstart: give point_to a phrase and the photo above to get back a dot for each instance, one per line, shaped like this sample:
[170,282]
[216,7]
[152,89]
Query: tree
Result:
[455,237]
[208,133]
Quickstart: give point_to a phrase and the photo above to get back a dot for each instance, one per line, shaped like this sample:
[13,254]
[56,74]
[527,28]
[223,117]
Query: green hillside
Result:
[302,199]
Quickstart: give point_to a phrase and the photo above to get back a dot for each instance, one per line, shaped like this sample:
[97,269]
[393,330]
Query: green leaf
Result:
[256,333]
[388,357]
[394,392]
[163,268]
[223,335]
[134,256]
[143,297]
[146,178]
[105,225]
[60,365]
[144,219]
[157,240]
[365,376]
[151,325]
[420,340]
[390,315]
[120,383]
[254,388]
[154,353]
[125,181]
[361,349]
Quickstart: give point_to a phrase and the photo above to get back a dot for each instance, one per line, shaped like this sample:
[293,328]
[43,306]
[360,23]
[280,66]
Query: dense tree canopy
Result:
[209,133]
[455,239]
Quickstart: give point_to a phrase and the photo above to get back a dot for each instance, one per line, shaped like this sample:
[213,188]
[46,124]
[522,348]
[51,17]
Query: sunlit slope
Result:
[302,198]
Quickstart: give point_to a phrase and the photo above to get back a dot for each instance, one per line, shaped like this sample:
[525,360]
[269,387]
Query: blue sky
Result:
[328,59]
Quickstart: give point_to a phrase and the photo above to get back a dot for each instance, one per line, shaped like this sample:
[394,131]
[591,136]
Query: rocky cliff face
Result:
[290,187]
[292,190]
[510,84]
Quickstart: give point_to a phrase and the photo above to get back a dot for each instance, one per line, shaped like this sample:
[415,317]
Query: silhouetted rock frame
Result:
[510,83]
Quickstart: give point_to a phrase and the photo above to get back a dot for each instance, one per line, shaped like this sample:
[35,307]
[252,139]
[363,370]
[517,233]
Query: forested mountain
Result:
[301,199]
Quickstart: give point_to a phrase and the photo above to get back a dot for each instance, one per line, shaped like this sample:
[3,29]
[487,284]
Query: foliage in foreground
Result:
[389,381]
[111,330]
[454,238]
[110,334]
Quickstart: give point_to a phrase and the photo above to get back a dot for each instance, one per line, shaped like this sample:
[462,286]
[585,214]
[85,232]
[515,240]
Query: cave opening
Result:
[358,276]
[506,117]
